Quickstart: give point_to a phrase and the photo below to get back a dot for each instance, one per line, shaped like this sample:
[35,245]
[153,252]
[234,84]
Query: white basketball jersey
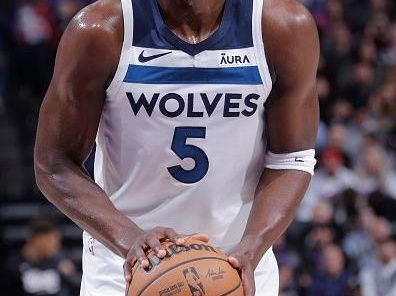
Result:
[181,139]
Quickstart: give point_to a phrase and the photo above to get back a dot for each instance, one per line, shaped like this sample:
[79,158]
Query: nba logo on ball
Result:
[193,281]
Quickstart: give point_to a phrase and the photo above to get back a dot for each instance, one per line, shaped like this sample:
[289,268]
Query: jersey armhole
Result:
[258,43]
[122,67]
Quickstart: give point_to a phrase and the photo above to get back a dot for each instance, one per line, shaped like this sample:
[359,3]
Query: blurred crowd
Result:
[29,34]
[343,241]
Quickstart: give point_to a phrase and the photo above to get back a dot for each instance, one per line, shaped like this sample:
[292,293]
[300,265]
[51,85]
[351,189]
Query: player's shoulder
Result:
[93,37]
[288,28]
[287,16]
[102,18]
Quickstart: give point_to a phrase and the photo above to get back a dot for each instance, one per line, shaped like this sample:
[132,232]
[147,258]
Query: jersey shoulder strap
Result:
[127,13]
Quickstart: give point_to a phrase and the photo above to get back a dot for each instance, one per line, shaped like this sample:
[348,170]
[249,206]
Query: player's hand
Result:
[242,258]
[151,240]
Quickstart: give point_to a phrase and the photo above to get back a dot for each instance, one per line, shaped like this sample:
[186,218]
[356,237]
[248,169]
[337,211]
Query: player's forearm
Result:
[77,196]
[277,198]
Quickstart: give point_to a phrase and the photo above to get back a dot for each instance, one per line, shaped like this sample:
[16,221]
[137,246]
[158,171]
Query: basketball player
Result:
[205,115]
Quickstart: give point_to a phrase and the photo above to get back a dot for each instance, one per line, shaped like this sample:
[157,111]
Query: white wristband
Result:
[301,160]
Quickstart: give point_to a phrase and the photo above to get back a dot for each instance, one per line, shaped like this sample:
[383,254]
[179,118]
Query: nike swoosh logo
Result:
[145,59]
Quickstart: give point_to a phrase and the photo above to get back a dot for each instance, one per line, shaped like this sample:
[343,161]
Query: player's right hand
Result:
[151,240]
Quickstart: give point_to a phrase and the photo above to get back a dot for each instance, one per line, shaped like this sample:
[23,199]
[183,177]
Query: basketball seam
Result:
[233,290]
[177,265]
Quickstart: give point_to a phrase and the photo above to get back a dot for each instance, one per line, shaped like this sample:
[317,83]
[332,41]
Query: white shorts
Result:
[103,272]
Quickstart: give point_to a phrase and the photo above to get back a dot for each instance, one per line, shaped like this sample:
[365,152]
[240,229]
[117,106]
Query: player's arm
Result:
[292,115]
[68,121]
[69,117]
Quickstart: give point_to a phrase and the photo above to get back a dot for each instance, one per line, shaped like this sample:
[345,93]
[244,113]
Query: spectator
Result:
[36,35]
[375,173]
[318,238]
[41,268]
[389,55]
[383,205]
[287,282]
[331,179]
[288,260]
[380,279]
[333,279]
[359,244]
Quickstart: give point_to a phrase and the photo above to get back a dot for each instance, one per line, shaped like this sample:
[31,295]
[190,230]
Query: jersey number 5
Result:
[184,150]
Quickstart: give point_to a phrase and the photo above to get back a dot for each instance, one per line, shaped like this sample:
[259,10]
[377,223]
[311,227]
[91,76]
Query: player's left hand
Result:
[242,258]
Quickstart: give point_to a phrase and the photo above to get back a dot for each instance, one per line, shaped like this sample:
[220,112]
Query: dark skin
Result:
[72,108]
[192,20]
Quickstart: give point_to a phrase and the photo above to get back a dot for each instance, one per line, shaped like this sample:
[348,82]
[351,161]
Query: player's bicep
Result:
[292,121]
[292,110]
[72,107]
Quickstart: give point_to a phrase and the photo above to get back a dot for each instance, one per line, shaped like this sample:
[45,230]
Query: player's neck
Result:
[192,20]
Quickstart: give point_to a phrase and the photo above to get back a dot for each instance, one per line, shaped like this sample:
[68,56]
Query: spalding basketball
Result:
[195,269]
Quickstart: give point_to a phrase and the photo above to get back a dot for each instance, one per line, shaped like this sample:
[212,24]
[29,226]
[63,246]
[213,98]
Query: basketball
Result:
[195,269]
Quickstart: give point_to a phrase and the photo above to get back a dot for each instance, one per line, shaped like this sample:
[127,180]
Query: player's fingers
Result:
[141,257]
[127,288]
[248,281]
[235,262]
[174,236]
[203,237]
[155,245]
[128,266]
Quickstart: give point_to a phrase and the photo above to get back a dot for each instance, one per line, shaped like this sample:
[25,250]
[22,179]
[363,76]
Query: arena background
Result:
[343,240]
